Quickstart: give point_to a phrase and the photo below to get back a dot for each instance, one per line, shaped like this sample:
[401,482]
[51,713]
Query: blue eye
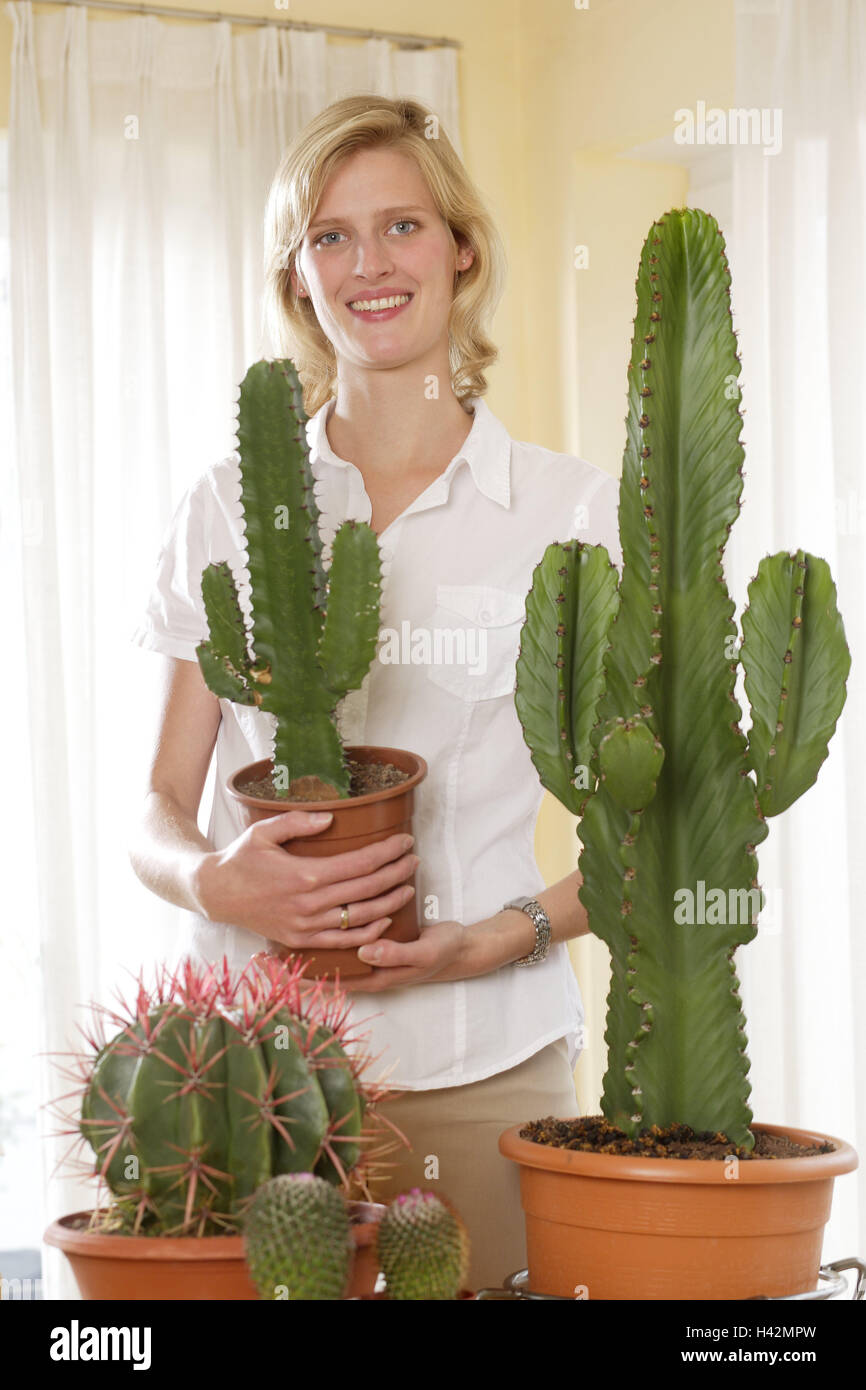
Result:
[404,222]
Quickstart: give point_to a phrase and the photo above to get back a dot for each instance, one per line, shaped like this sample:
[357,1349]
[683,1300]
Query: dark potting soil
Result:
[595,1134]
[364,778]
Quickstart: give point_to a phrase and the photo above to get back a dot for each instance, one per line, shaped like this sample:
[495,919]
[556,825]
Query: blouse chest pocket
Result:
[475,640]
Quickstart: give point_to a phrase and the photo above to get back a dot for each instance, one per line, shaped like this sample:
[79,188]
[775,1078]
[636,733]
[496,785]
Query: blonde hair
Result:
[364,122]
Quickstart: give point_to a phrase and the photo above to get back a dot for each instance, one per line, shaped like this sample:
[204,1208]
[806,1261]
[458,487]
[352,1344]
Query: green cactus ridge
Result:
[423,1248]
[298,1239]
[633,678]
[314,633]
[211,1088]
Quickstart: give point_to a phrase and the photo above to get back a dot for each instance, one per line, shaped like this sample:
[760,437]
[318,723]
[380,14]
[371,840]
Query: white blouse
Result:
[459,559]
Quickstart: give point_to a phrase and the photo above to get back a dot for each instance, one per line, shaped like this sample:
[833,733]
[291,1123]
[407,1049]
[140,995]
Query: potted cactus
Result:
[306,639]
[625,695]
[423,1249]
[209,1086]
[298,1241]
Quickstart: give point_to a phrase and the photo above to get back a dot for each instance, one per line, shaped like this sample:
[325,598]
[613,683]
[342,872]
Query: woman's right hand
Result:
[295,900]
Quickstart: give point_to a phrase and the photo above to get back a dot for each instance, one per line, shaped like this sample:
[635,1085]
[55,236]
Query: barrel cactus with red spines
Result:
[213,1084]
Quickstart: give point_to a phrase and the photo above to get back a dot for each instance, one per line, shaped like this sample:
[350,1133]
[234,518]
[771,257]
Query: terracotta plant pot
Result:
[357,821]
[625,1227]
[175,1268]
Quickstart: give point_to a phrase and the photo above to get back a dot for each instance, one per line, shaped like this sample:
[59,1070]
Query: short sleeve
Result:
[603,525]
[174,620]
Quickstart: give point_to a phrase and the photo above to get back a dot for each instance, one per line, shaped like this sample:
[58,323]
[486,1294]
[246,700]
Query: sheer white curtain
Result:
[140,154]
[798,259]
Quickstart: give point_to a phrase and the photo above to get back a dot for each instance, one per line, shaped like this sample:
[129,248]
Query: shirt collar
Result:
[486,449]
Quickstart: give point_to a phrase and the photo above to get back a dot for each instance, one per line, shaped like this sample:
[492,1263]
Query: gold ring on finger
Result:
[344,918]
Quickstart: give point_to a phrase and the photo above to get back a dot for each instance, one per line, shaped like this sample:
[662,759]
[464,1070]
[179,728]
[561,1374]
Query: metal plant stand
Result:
[831,1282]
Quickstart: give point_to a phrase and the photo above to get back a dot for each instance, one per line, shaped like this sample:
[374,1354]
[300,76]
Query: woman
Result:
[382,270]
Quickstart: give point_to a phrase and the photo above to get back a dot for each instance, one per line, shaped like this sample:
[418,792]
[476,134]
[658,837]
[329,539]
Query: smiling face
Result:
[377,234]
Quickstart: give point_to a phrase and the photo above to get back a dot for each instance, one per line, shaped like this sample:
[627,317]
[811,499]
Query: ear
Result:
[296,284]
[465,254]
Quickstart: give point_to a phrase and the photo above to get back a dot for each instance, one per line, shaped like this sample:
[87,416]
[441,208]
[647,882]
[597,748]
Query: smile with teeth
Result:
[373,305]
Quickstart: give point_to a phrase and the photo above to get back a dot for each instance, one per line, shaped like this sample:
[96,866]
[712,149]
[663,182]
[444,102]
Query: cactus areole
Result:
[313,634]
[625,692]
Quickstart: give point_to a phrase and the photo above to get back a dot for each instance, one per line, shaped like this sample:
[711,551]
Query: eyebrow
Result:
[381,212]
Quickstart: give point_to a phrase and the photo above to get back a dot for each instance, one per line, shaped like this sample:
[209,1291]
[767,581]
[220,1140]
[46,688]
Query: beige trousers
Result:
[454,1131]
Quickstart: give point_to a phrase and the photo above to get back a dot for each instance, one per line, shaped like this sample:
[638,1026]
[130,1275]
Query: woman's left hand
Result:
[442,952]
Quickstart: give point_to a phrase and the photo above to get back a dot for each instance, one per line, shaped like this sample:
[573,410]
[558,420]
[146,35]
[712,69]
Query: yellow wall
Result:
[551,95]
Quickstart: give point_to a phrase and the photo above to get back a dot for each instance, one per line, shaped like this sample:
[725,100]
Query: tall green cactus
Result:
[212,1085]
[625,696]
[313,633]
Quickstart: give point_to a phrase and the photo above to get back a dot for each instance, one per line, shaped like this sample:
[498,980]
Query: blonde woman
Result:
[383,269]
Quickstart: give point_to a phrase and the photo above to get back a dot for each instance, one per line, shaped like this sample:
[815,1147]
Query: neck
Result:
[388,423]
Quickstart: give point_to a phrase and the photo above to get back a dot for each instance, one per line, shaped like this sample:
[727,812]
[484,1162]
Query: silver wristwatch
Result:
[534,910]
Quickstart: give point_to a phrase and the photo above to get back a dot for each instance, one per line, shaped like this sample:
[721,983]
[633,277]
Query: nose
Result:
[373,259]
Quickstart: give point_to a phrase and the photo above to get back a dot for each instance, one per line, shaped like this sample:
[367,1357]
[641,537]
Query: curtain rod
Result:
[404,40]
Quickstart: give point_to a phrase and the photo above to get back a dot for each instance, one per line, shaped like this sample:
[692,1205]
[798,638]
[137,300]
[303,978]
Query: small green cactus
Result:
[298,1239]
[423,1248]
[314,634]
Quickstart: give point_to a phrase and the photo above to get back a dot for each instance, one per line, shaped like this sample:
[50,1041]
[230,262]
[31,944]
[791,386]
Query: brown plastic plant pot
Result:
[357,821]
[178,1268]
[614,1226]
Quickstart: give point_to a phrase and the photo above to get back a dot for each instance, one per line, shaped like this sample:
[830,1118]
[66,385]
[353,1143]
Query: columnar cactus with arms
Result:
[625,695]
[313,634]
